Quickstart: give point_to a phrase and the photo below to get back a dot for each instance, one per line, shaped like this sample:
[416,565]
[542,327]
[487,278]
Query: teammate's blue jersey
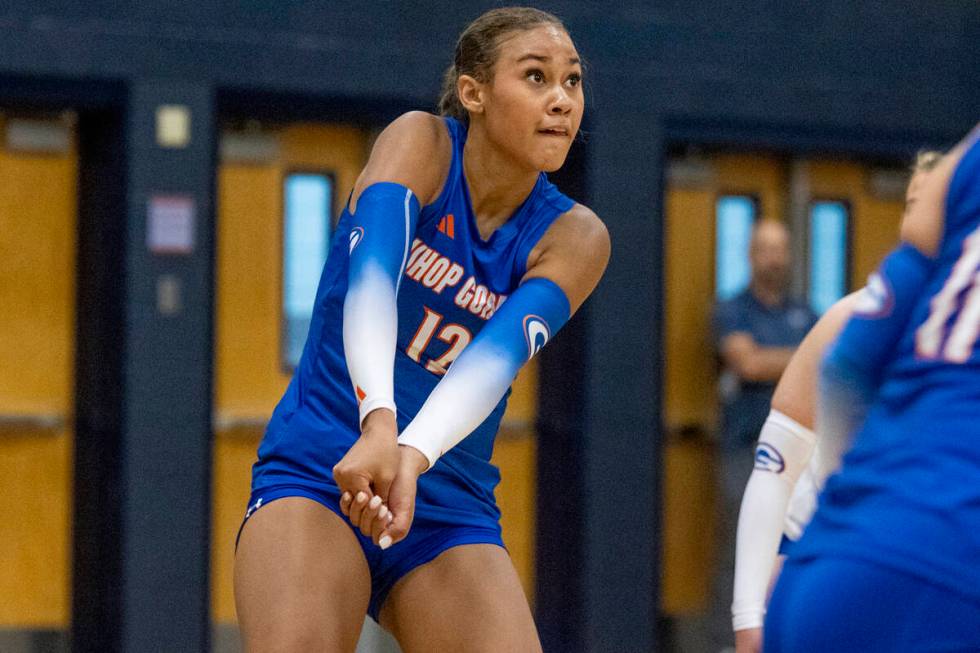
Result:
[452,284]
[908,494]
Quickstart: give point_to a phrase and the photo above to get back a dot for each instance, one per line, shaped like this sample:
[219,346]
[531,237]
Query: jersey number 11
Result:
[961,293]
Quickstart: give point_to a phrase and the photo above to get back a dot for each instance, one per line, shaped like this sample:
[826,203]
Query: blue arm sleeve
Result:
[380,237]
[853,365]
[478,379]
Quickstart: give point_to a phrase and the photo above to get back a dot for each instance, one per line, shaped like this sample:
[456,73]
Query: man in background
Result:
[756,333]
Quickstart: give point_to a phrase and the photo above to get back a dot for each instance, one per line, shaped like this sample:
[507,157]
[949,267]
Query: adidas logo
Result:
[447,225]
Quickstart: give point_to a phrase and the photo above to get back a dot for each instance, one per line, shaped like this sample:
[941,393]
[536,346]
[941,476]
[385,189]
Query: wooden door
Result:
[694,189]
[37,307]
[250,373]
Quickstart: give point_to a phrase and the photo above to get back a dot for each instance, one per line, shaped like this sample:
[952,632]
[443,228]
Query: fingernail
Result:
[346,497]
[375,502]
[361,497]
[385,542]
[383,512]
[391,517]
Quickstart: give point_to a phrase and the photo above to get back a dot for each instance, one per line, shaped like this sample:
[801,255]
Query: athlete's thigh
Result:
[301,580]
[467,599]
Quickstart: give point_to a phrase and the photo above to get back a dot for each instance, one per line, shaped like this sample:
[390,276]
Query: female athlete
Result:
[455,261]
[889,561]
[791,464]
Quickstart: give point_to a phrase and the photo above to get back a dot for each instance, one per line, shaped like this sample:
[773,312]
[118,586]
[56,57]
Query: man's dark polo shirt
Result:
[746,405]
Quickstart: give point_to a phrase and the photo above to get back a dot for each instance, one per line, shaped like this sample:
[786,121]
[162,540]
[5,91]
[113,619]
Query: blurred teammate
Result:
[890,560]
[454,263]
[790,467]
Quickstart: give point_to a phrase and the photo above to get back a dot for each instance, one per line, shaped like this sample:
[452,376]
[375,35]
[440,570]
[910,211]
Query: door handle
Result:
[223,422]
[20,422]
[512,428]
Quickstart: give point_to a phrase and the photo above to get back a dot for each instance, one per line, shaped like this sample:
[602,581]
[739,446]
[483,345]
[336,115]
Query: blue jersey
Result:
[452,283]
[908,494]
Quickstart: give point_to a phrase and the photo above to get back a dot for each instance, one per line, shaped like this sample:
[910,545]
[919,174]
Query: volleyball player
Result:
[455,262]
[889,562]
[791,465]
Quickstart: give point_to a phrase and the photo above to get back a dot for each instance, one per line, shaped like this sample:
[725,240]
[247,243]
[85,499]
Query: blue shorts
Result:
[425,541]
[841,604]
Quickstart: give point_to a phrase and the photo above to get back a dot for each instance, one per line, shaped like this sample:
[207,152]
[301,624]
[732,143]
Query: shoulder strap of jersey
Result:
[551,204]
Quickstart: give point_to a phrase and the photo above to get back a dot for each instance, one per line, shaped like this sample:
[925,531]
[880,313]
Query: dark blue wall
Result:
[900,65]
[861,76]
[895,66]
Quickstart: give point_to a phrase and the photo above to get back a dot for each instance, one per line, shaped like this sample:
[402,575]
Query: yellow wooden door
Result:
[250,374]
[689,263]
[37,302]
[515,453]
[874,215]
[690,365]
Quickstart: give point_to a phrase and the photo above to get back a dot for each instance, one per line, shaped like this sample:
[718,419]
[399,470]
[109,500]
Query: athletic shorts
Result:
[425,541]
[843,605]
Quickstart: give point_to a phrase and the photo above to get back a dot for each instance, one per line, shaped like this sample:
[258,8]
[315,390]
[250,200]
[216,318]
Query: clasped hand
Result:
[377,479]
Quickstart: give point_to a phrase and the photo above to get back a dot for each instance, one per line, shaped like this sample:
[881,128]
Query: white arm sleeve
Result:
[783,451]
[378,245]
[479,378]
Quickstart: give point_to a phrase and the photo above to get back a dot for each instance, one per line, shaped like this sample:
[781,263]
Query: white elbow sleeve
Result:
[784,447]
[782,454]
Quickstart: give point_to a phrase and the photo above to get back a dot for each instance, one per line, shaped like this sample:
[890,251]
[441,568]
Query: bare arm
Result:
[796,392]
[573,253]
[414,151]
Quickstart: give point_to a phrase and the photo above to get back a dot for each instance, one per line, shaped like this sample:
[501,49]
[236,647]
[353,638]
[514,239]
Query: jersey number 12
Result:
[455,335]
